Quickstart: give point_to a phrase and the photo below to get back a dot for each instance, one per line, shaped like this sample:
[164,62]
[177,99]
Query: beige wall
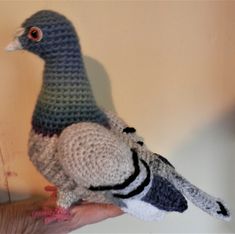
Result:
[170,65]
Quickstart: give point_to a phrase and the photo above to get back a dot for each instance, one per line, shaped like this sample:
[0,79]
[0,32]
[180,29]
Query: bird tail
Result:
[213,206]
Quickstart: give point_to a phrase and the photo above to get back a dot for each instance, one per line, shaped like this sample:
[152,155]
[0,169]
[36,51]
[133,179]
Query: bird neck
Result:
[65,97]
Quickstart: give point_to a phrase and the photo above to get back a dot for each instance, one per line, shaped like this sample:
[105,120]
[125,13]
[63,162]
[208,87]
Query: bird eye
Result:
[35,34]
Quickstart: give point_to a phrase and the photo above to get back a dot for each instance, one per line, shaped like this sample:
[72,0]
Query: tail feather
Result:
[213,206]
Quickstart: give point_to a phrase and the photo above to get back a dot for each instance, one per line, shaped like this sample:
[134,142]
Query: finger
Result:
[50,188]
[106,209]
[91,213]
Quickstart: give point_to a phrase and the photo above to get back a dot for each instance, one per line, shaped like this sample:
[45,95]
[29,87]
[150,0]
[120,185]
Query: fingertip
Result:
[113,210]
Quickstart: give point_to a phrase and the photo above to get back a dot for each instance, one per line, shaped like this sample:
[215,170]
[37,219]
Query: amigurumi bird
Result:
[89,153]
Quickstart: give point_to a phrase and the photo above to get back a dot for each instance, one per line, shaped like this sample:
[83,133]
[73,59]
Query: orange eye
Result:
[35,34]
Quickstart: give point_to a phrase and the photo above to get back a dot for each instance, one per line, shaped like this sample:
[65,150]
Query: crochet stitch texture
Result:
[90,153]
[66,95]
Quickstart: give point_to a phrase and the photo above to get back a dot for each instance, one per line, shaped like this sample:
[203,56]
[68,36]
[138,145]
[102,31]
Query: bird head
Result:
[46,34]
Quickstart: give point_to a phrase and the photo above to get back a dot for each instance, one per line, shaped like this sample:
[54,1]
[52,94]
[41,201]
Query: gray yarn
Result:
[89,153]
[66,96]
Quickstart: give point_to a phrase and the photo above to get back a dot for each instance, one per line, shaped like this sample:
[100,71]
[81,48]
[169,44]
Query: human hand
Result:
[89,213]
[16,217]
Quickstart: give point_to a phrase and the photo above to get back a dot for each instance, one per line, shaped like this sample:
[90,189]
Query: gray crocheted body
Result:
[89,153]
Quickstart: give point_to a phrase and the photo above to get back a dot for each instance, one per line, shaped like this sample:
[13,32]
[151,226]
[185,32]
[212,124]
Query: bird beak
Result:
[15,44]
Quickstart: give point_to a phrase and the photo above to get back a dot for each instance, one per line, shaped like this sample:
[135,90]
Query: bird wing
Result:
[95,158]
[129,135]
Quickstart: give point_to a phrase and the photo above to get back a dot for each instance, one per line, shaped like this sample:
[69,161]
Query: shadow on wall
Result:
[100,83]
[208,158]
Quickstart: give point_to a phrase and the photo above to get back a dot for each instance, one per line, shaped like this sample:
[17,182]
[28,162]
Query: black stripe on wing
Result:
[127,182]
[139,188]
[164,160]
[129,130]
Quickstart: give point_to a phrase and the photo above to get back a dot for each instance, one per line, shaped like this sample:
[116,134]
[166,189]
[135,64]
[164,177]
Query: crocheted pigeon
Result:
[89,153]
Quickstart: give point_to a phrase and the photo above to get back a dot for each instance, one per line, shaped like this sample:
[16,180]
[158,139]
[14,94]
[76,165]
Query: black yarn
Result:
[140,188]
[127,182]
[222,210]
[129,130]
